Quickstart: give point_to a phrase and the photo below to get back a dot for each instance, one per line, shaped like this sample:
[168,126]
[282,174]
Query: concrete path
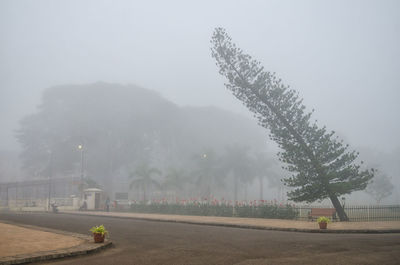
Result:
[23,244]
[259,223]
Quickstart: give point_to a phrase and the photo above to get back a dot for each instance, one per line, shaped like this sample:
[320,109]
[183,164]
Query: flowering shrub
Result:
[214,207]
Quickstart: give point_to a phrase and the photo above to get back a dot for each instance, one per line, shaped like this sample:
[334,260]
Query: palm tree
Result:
[261,165]
[143,178]
[208,172]
[238,162]
[175,180]
[265,166]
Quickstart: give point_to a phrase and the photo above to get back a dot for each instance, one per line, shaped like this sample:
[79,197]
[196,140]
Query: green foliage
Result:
[381,187]
[88,183]
[208,173]
[238,162]
[323,219]
[119,125]
[176,180]
[272,211]
[321,166]
[143,178]
[99,230]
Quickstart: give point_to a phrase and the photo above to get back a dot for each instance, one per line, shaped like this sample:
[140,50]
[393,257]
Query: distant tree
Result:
[9,166]
[207,172]
[88,183]
[175,180]
[109,119]
[119,124]
[321,165]
[265,168]
[143,178]
[237,161]
[381,187]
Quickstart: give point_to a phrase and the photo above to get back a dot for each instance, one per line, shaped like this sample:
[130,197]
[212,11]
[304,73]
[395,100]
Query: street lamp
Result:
[80,147]
[50,176]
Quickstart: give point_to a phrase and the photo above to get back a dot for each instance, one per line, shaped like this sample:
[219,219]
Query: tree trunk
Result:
[208,193]
[235,190]
[339,209]
[261,188]
[245,191]
[144,193]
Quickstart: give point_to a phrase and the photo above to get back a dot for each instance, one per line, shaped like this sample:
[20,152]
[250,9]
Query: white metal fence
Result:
[358,213]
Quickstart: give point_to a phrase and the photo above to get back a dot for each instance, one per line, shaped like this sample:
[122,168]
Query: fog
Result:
[343,57]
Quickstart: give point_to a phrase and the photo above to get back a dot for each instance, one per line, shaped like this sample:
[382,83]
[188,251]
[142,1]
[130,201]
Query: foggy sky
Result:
[342,56]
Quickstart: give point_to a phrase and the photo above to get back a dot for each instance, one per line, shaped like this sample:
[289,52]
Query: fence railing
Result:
[358,213]
[37,202]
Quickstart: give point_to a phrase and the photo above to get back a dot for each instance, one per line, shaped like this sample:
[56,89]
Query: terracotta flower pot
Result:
[323,225]
[98,238]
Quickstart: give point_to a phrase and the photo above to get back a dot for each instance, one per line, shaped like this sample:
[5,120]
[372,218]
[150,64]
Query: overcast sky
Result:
[342,56]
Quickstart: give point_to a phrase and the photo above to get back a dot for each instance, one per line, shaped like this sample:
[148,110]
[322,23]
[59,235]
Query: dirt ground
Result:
[16,240]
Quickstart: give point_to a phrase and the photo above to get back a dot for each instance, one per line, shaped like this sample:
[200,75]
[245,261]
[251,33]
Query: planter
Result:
[98,237]
[323,225]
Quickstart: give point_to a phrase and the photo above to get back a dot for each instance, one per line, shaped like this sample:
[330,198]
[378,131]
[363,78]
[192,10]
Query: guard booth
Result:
[94,198]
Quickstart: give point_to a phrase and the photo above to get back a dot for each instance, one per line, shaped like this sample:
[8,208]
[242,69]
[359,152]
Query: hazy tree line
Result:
[134,136]
[208,175]
[131,133]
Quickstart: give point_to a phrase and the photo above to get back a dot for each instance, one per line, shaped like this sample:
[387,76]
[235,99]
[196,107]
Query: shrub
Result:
[253,209]
[99,230]
[323,219]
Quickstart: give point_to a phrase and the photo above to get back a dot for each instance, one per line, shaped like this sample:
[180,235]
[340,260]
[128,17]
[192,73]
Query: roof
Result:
[93,190]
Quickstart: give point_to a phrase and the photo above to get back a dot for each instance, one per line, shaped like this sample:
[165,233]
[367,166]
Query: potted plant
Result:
[323,222]
[99,233]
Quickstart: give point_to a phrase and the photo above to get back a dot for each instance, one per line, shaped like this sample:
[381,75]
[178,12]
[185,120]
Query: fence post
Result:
[368,212]
[300,212]
[8,205]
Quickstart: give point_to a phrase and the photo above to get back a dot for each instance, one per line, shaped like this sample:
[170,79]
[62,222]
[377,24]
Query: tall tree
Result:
[381,187]
[119,124]
[207,172]
[265,168]
[238,162]
[321,165]
[175,180]
[143,178]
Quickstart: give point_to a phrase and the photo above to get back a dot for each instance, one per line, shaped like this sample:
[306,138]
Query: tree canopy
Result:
[321,165]
[381,187]
[143,178]
[120,127]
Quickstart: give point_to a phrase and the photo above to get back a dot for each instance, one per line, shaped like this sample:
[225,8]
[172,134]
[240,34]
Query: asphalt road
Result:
[147,242]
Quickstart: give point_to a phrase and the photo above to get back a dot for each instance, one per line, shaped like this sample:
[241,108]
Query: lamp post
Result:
[50,176]
[80,147]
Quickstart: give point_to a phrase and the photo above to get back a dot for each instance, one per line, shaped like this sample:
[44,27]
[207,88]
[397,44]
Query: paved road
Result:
[146,242]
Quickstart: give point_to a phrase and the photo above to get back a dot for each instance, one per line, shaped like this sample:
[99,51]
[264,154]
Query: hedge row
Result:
[272,211]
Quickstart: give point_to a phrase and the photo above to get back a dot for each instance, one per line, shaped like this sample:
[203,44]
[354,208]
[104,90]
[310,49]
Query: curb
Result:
[285,229]
[87,247]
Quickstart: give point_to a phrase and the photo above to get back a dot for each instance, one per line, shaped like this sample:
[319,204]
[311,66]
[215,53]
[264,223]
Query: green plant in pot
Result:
[323,222]
[99,233]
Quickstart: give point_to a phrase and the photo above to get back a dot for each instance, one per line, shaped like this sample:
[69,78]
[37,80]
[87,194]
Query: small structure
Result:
[94,198]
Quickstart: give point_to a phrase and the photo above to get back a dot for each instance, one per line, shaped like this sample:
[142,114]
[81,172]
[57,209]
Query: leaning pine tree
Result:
[321,165]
